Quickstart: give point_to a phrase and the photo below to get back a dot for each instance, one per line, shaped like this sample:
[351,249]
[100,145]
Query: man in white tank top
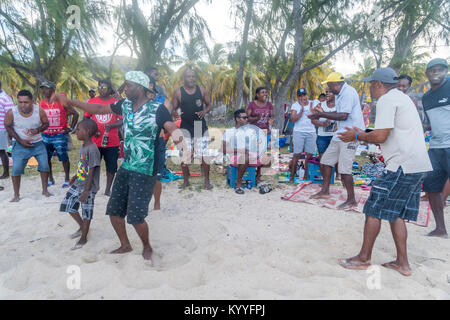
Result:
[25,124]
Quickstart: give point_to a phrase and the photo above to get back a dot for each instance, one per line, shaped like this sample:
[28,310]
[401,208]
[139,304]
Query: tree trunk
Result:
[243,50]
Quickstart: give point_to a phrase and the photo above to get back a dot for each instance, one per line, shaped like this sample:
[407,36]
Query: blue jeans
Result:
[22,155]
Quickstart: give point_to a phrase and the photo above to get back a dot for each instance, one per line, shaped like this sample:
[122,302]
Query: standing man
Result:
[195,105]
[394,197]
[161,96]
[326,127]
[108,126]
[133,187]
[24,124]
[6,104]
[348,114]
[57,135]
[436,103]
[304,132]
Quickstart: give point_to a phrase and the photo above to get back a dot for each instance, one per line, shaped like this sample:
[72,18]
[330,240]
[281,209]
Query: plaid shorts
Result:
[71,203]
[395,195]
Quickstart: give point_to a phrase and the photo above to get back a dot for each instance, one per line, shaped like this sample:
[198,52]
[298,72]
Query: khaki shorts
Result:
[342,153]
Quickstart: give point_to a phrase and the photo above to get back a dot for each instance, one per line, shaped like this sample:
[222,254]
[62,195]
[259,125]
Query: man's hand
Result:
[201,114]
[57,97]
[26,143]
[108,127]
[314,116]
[67,130]
[317,109]
[84,196]
[32,132]
[350,134]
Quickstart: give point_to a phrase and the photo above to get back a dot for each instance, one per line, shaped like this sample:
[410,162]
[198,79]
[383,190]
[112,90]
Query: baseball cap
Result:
[139,78]
[437,62]
[385,75]
[301,92]
[334,77]
[48,84]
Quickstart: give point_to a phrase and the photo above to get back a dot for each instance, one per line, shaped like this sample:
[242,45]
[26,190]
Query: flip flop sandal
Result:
[65,185]
[240,191]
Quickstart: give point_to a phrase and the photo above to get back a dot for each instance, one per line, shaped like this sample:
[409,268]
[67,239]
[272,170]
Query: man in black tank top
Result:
[195,105]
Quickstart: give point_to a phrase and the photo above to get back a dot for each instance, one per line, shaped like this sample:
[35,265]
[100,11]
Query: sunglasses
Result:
[103,88]
[245,118]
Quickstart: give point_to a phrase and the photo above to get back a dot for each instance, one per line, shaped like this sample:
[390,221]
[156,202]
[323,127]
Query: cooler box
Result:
[249,175]
[315,175]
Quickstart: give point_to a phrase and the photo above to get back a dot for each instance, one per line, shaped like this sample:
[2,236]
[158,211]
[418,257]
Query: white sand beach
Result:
[209,245]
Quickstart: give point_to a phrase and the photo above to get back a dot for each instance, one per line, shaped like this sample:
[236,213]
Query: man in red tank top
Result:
[57,135]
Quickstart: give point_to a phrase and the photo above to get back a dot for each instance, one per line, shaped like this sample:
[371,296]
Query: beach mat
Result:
[304,191]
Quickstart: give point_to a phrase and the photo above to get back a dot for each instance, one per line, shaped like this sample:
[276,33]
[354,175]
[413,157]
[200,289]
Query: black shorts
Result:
[111,156]
[436,179]
[160,159]
[395,195]
[131,196]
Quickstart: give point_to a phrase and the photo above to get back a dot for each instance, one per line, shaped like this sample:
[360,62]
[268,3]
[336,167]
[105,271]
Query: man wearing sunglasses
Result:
[108,141]
[133,187]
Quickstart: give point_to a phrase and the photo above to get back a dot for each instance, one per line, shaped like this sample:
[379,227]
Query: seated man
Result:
[241,145]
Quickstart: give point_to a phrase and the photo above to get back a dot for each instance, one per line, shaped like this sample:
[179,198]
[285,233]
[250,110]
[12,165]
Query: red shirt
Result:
[265,112]
[57,117]
[102,120]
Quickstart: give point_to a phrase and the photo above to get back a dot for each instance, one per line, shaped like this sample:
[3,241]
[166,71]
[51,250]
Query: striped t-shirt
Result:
[6,104]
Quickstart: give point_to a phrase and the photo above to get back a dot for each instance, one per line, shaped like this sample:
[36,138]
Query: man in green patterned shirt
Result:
[135,180]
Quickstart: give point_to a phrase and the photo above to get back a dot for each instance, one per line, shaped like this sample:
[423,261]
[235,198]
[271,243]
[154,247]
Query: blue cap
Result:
[301,92]
[437,62]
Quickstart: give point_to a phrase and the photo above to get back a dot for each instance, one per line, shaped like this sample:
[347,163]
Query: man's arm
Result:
[9,125]
[176,103]
[376,137]
[329,115]
[91,108]
[118,124]
[207,102]
[295,116]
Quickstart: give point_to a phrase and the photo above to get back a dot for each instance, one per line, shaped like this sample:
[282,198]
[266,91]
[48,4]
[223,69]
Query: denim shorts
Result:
[131,195]
[323,142]
[436,179]
[22,155]
[58,143]
[395,195]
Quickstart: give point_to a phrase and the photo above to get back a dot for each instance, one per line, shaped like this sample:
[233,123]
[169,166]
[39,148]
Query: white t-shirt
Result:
[246,137]
[348,102]
[304,124]
[329,130]
[405,145]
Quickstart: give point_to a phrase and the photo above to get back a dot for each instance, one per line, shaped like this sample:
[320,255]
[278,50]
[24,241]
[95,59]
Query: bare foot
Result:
[4,177]
[208,185]
[404,270]
[76,234]
[355,263]
[184,185]
[147,253]
[320,195]
[15,199]
[122,250]
[108,193]
[347,205]
[438,233]
[79,244]
[2,188]
[47,194]
[157,207]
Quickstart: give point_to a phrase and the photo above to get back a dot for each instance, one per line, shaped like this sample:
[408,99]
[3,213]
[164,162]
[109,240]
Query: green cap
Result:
[139,78]
[437,62]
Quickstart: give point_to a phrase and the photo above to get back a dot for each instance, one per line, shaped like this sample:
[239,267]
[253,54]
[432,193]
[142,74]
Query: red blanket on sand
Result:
[304,191]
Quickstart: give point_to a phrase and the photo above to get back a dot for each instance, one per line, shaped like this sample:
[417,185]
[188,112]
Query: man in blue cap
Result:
[436,103]
[395,196]
[133,187]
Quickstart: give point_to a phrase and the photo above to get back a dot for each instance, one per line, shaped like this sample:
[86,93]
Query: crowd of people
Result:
[332,126]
